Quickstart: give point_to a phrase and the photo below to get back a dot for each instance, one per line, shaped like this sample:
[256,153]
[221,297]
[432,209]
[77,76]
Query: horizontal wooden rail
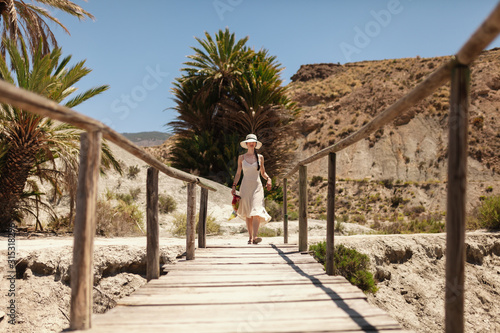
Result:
[42,106]
[483,36]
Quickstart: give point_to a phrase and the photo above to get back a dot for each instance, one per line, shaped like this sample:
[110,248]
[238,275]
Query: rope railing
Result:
[82,276]
[457,70]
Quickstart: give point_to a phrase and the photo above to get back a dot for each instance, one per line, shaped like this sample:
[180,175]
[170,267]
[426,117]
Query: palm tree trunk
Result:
[19,161]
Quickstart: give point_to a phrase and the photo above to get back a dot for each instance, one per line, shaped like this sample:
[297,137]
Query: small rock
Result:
[382,274]
[27,274]
[474,254]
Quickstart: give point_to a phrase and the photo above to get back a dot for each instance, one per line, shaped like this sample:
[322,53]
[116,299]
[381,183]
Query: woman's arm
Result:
[263,173]
[237,176]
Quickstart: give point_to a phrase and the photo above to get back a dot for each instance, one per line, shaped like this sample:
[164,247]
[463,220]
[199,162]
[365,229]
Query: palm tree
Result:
[30,144]
[226,92]
[219,63]
[259,105]
[24,19]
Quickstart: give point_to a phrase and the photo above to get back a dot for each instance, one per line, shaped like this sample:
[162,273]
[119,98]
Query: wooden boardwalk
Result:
[263,288]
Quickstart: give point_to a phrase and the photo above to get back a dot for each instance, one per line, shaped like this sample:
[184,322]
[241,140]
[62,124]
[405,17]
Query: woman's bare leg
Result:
[256,224]
[249,227]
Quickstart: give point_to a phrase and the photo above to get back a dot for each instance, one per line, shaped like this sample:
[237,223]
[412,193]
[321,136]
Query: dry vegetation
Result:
[337,100]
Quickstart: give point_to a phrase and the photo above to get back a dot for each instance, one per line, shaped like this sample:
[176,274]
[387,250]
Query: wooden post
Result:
[153,227]
[285,213]
[82,270]
[330,215]
[202,220]
[456,200]
[190,221]
[303,208]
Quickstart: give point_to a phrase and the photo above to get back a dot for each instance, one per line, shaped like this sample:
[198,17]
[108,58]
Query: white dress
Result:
[252,194]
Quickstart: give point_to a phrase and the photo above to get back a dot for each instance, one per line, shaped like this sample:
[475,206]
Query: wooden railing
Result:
[85,219]
[457,69]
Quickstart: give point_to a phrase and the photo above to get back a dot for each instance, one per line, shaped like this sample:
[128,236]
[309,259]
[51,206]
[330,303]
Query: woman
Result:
[251,206]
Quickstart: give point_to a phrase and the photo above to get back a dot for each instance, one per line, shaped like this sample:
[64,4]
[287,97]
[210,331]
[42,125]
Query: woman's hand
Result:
[233,190]
[269,184]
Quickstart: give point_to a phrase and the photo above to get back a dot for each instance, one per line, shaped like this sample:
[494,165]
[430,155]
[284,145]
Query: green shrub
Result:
[122,219]
[109,195]
[339,227]
[374,198]
[127,198]
[350,264]
[430,223]
[275,194]
[267,232]
[134,192]
[316,180]
[388,183]
[414,211]
[359,218]
[487,215]
[133,171]
[166,204]
[396,201]
[60,224]
[213,228]
[292,216]
[178,227]
[275,210]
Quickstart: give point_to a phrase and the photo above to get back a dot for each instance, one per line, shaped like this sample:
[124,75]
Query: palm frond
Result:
[77,100]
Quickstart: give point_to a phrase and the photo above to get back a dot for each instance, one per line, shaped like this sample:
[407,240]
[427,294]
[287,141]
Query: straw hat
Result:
[251,138]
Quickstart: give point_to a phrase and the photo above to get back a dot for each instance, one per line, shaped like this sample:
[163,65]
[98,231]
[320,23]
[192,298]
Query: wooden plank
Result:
[207,313]
[303,208]
[82,270]
[248,268]
[330,215]
[202,220]
[456,200]
[190,222]
[172,277]
[251,260]
[218,281]
[153,226]
[231,298]
[263,256]
[249,288]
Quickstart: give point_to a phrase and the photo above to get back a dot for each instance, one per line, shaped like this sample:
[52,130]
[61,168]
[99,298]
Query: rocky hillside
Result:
[411,151]
[338,99]
[147,139]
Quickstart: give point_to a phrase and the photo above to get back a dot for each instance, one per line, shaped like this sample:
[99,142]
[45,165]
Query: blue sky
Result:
[138,47]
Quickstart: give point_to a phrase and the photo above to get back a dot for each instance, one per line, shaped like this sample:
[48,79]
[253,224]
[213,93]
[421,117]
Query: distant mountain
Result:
[147,139]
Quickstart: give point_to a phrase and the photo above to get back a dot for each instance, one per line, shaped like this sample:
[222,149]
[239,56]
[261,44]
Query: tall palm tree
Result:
[218,63]
[21,19]
[259,105]
[228,91]
[30,144]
